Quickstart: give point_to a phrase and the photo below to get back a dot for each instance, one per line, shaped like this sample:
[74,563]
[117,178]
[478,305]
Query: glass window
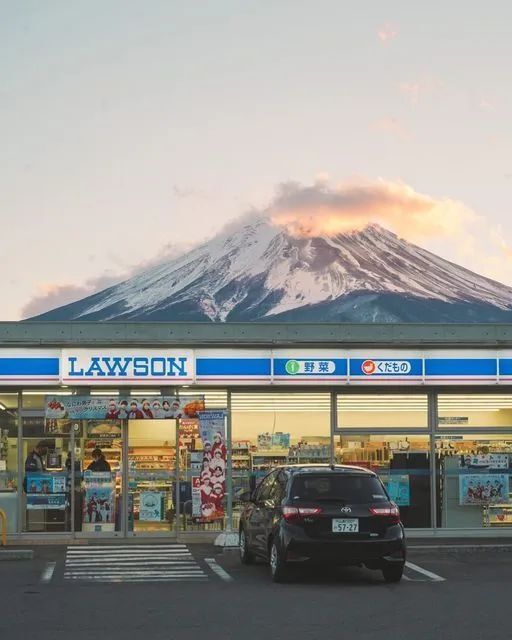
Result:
[274,428]
[278,490]
[265,487]
[383,411]
[473,481]
[152,476]
[338,488]
[47,477]
[34,399]
[402,463]
[98,475]
[489,411]
[9,459]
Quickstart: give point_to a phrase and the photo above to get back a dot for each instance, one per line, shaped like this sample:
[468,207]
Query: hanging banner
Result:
[483,488]
[212,429]
[485,461]
[121,408]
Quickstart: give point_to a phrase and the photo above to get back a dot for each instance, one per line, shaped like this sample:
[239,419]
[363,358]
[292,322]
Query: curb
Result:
[16,554]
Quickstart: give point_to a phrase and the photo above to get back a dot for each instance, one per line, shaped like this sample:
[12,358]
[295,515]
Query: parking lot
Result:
[197,590]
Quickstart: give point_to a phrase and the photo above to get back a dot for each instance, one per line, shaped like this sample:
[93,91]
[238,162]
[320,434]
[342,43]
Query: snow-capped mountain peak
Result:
[260,271]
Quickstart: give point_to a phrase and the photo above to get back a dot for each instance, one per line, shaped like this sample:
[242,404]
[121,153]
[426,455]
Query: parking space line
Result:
[47,574]
[433,576]
[218,570]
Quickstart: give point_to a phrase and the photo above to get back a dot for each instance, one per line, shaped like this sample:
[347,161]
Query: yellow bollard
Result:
[3,519]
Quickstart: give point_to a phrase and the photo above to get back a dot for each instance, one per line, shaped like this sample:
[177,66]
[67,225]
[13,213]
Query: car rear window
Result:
[339,488]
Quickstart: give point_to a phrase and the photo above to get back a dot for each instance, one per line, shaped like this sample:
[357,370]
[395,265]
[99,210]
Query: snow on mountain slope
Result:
[259,271]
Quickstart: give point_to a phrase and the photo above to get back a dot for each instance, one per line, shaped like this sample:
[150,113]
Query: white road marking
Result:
[218,570]
[95,547]
[433,576]
[130,563]
[404,577]
[47,574]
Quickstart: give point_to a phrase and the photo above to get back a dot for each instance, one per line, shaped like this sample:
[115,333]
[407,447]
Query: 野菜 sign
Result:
[296,367]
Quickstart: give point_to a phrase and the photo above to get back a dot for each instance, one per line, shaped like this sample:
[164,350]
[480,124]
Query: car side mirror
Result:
[246,496]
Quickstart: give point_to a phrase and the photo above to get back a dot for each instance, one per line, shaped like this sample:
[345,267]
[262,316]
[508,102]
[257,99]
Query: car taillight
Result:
[297,513]
[386,512]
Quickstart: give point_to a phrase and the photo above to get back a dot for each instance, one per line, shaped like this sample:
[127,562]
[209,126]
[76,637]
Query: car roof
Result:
[312,468]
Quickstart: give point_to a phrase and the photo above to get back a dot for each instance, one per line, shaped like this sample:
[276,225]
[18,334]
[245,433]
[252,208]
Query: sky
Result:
[129,130]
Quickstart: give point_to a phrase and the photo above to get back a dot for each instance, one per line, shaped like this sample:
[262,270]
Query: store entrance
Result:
[151,478]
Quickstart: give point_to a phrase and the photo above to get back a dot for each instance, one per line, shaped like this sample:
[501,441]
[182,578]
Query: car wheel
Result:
[393,572]
[246,555]
[278,569]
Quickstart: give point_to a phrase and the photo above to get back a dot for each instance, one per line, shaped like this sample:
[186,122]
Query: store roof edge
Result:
[251,334]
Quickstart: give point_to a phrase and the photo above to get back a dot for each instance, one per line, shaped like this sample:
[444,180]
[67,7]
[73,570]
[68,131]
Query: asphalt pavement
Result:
[189,592]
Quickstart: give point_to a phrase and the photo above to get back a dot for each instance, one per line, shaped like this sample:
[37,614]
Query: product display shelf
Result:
[264,460]
[498,515]
[151,469]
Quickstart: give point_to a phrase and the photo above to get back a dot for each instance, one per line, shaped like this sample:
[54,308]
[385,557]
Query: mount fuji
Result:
[260,272]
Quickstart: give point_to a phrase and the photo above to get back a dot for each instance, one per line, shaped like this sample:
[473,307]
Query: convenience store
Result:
[428,407]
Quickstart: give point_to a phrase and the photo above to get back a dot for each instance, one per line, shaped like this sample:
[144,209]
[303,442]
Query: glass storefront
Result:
[443,456]
[9,459]
[403,464]
[269,429]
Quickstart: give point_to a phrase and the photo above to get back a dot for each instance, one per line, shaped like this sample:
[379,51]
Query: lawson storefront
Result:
[144,430]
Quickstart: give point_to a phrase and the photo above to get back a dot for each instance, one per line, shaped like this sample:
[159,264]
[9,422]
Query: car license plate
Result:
[345,525]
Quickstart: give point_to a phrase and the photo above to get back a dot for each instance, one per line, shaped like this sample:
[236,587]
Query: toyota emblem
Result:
[346,510]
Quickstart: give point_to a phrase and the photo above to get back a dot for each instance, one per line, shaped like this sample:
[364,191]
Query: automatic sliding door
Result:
[151,477]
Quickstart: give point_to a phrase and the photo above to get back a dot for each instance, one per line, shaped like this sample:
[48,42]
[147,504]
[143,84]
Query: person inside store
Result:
[99,462]
[35,459]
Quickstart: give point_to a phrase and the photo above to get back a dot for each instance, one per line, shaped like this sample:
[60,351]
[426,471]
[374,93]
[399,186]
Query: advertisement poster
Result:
[151,506]
[121,408]
[100,429]
[488,488]
[398,489]
[212,429]
[99,501]
[274,440]
[41,501]
[486,461]
[45,483]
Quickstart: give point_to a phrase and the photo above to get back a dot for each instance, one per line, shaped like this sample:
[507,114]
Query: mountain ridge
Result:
[261,272]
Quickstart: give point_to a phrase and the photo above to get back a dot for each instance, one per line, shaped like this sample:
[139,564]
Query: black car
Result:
[332,515]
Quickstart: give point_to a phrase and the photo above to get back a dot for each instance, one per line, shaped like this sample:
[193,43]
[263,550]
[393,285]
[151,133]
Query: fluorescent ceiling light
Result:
[2,407]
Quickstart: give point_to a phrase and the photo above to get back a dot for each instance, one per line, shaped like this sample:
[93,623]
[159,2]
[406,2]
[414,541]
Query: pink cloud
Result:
[387,32]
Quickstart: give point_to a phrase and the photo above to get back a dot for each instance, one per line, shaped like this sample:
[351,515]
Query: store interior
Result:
[469,459]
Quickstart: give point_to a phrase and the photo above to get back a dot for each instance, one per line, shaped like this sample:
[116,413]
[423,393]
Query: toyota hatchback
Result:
[320,514]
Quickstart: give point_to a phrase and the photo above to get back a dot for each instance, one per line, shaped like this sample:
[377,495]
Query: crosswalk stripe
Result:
[95,547]
[129,563]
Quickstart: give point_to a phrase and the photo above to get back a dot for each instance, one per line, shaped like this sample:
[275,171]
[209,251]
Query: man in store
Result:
[99,462]
[35,459]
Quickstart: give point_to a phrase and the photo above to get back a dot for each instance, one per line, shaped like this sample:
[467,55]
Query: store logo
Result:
[386,367]
[88,365]
[310,367]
